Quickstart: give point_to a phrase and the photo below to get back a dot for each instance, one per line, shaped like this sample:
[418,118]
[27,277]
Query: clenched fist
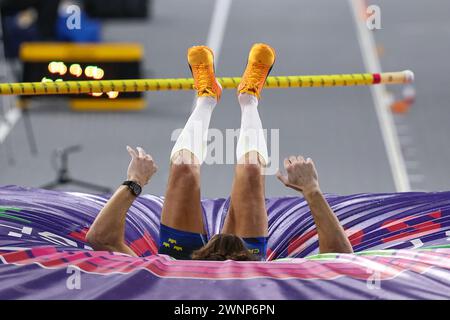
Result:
[142,166]
[301,175]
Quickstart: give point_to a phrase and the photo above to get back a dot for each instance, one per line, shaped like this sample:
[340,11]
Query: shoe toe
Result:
[199,55]
[262,53]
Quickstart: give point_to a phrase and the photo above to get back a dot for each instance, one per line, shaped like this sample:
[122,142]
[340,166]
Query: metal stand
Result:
[63,176]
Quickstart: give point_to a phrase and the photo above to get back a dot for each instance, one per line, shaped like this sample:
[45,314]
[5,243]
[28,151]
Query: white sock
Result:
[251,136]
[194,136]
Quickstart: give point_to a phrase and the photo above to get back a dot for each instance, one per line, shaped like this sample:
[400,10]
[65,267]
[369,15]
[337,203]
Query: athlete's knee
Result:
[185,156]
[252,157]
[186,173]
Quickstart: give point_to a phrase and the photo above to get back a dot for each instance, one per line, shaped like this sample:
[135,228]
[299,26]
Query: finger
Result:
[310,162]
[286,163]
[292,159]
[141,152]
[300,159]
[148,157]
[313,166]
[132,152]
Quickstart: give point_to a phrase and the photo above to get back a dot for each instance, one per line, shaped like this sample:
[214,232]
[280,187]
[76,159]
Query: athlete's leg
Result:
[247,216]
[182,209]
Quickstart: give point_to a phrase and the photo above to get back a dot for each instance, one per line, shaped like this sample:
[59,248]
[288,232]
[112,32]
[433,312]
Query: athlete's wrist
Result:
[137,180]
[311,193]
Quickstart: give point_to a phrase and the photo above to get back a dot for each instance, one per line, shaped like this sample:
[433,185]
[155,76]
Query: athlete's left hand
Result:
[142,167]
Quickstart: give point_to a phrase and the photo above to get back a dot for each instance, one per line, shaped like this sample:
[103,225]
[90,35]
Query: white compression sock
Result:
[251,136]
[194,136]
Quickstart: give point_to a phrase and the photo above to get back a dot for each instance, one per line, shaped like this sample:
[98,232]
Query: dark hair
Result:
[223,247]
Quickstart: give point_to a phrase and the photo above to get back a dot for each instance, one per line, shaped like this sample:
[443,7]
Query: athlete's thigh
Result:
[247,215]
[182,207]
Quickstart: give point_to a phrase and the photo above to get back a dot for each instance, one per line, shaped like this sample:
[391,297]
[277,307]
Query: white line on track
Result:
[7,124]
[217,30]
[385,119]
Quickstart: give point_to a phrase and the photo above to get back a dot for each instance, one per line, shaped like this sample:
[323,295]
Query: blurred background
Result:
[362,140]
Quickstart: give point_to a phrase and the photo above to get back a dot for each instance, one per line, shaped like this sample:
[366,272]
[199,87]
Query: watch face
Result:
[136,189]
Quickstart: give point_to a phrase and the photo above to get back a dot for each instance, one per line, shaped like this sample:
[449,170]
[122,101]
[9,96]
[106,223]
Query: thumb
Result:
[132,153]
[282,178]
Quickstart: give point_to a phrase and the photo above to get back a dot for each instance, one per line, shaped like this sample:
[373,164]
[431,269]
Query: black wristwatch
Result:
[135,188]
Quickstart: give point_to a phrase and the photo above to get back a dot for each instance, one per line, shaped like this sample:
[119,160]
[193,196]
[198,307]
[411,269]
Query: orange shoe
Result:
[260,62]
[201,63]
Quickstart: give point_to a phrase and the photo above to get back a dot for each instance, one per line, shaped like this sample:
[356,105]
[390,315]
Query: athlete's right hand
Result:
[142,167]
[301,175]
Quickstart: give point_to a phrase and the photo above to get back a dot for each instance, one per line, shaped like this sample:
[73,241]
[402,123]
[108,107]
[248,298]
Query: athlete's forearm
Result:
[332,237]
[108,230]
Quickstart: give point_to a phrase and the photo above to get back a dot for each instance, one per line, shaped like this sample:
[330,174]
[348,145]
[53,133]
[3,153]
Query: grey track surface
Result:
[416,35]
[336,127]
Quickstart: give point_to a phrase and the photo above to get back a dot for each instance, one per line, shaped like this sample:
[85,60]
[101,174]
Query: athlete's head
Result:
[223,247]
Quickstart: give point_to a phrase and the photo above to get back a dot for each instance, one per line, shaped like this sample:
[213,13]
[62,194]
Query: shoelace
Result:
[203,78]
[256,76]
